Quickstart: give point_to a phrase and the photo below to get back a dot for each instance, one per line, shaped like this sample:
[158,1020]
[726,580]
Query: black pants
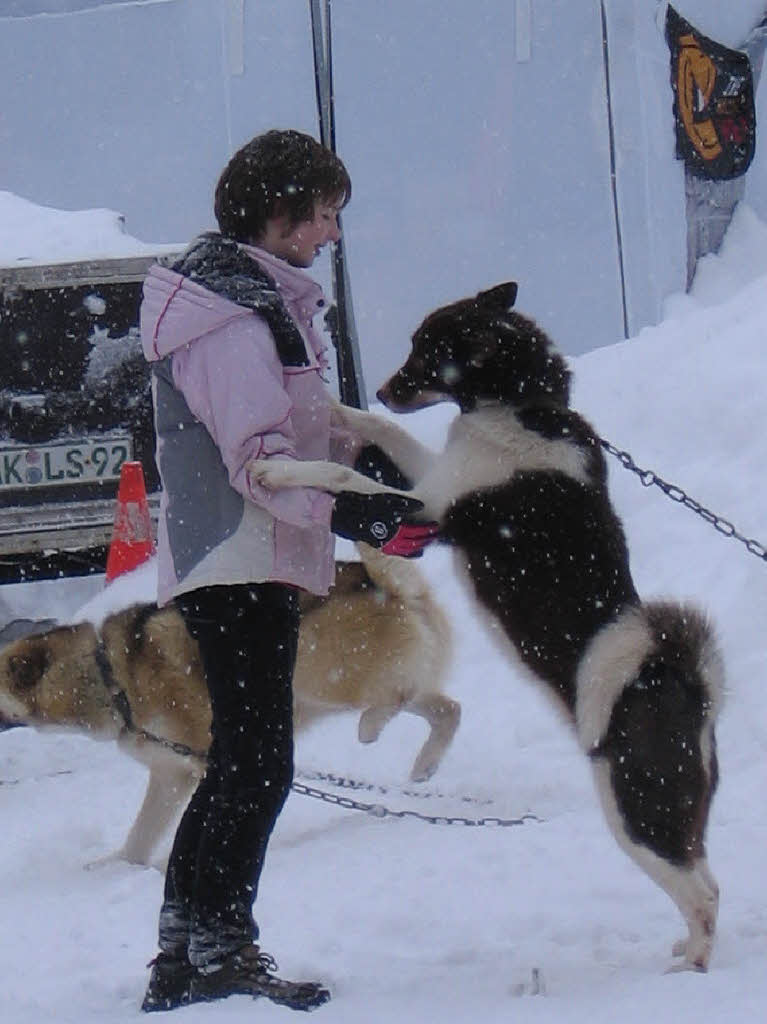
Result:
[247,636]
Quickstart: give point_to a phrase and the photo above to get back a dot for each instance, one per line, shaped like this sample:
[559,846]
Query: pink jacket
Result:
[222,398]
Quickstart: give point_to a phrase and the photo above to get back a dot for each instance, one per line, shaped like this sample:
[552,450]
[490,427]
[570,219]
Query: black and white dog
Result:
[520,492]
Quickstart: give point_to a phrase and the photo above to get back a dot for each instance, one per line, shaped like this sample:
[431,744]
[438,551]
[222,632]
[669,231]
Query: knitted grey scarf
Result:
[218,264]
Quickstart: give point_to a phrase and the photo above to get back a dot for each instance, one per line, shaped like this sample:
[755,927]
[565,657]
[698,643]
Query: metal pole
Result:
[340,318]
[613,175]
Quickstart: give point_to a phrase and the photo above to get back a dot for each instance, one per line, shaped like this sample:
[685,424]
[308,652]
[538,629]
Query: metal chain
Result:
[344,783]
[379,811]
[36,778]
[649,479]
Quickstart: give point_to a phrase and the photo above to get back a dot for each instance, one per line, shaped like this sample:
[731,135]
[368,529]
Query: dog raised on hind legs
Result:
[520,493]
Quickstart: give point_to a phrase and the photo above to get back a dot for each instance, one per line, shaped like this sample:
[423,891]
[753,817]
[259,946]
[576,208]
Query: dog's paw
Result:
[696,961]
[424,767]
[427,761]
[102,862]
[270,475]
[372,722]
[116,857]
[686,965]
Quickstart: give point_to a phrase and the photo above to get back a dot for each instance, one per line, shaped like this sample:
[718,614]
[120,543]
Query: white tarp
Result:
[477,136]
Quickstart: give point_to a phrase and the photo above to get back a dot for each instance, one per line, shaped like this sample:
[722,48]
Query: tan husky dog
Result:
[379,644]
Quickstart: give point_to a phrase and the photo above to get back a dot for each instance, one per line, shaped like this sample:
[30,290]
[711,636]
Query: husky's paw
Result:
[123,856]
[424,767]
[372,722]
[271,475]
[102,862]
[116,857]
[686,965]
[691,962]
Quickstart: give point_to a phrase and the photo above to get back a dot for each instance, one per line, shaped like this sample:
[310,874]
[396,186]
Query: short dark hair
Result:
[275,174]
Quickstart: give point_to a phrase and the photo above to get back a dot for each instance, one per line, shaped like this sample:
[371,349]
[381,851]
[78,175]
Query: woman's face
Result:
[301,243]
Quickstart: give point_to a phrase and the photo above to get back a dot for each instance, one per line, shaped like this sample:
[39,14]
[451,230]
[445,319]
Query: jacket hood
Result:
[180,307]
[177,311]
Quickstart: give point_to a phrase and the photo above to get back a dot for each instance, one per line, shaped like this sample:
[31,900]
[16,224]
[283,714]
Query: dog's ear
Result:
[27,669]
[500,298]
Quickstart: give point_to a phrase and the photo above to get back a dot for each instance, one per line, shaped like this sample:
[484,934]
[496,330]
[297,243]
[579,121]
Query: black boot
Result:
[248,971]
[169,983]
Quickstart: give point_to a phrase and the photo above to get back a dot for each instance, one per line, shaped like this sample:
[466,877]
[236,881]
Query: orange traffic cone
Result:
[132,542]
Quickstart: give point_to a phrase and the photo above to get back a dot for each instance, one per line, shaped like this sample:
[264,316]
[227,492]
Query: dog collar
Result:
[122,709]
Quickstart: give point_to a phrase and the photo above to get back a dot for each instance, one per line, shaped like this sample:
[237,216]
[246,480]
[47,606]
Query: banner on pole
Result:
[713,102]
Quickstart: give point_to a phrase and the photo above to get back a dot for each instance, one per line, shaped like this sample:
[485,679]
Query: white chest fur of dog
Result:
[485,449]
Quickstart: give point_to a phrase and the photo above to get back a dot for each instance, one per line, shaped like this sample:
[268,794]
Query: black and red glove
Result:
[372,518]
[410,539]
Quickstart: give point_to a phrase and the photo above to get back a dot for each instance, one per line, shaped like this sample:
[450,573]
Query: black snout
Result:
[401,393]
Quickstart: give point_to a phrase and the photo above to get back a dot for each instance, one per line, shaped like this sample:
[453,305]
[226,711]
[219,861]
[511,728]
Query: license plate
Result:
[64,463]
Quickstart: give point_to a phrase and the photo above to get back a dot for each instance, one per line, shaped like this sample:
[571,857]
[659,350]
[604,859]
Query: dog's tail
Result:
[685,638]
[401,579]
[644,646]
[396,576]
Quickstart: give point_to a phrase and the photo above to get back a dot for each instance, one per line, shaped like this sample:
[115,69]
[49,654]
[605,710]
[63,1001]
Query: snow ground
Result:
[409,921]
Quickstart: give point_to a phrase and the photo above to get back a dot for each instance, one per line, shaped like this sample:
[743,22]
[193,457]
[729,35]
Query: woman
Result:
[238,376]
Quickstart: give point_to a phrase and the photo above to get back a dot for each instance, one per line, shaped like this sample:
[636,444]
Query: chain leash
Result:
[36,778]
[650,479]
[379,811]
[374,787]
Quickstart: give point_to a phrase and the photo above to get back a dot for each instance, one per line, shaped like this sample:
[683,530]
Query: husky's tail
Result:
[430,644]
[645,645]
[399,577]
[401,580]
